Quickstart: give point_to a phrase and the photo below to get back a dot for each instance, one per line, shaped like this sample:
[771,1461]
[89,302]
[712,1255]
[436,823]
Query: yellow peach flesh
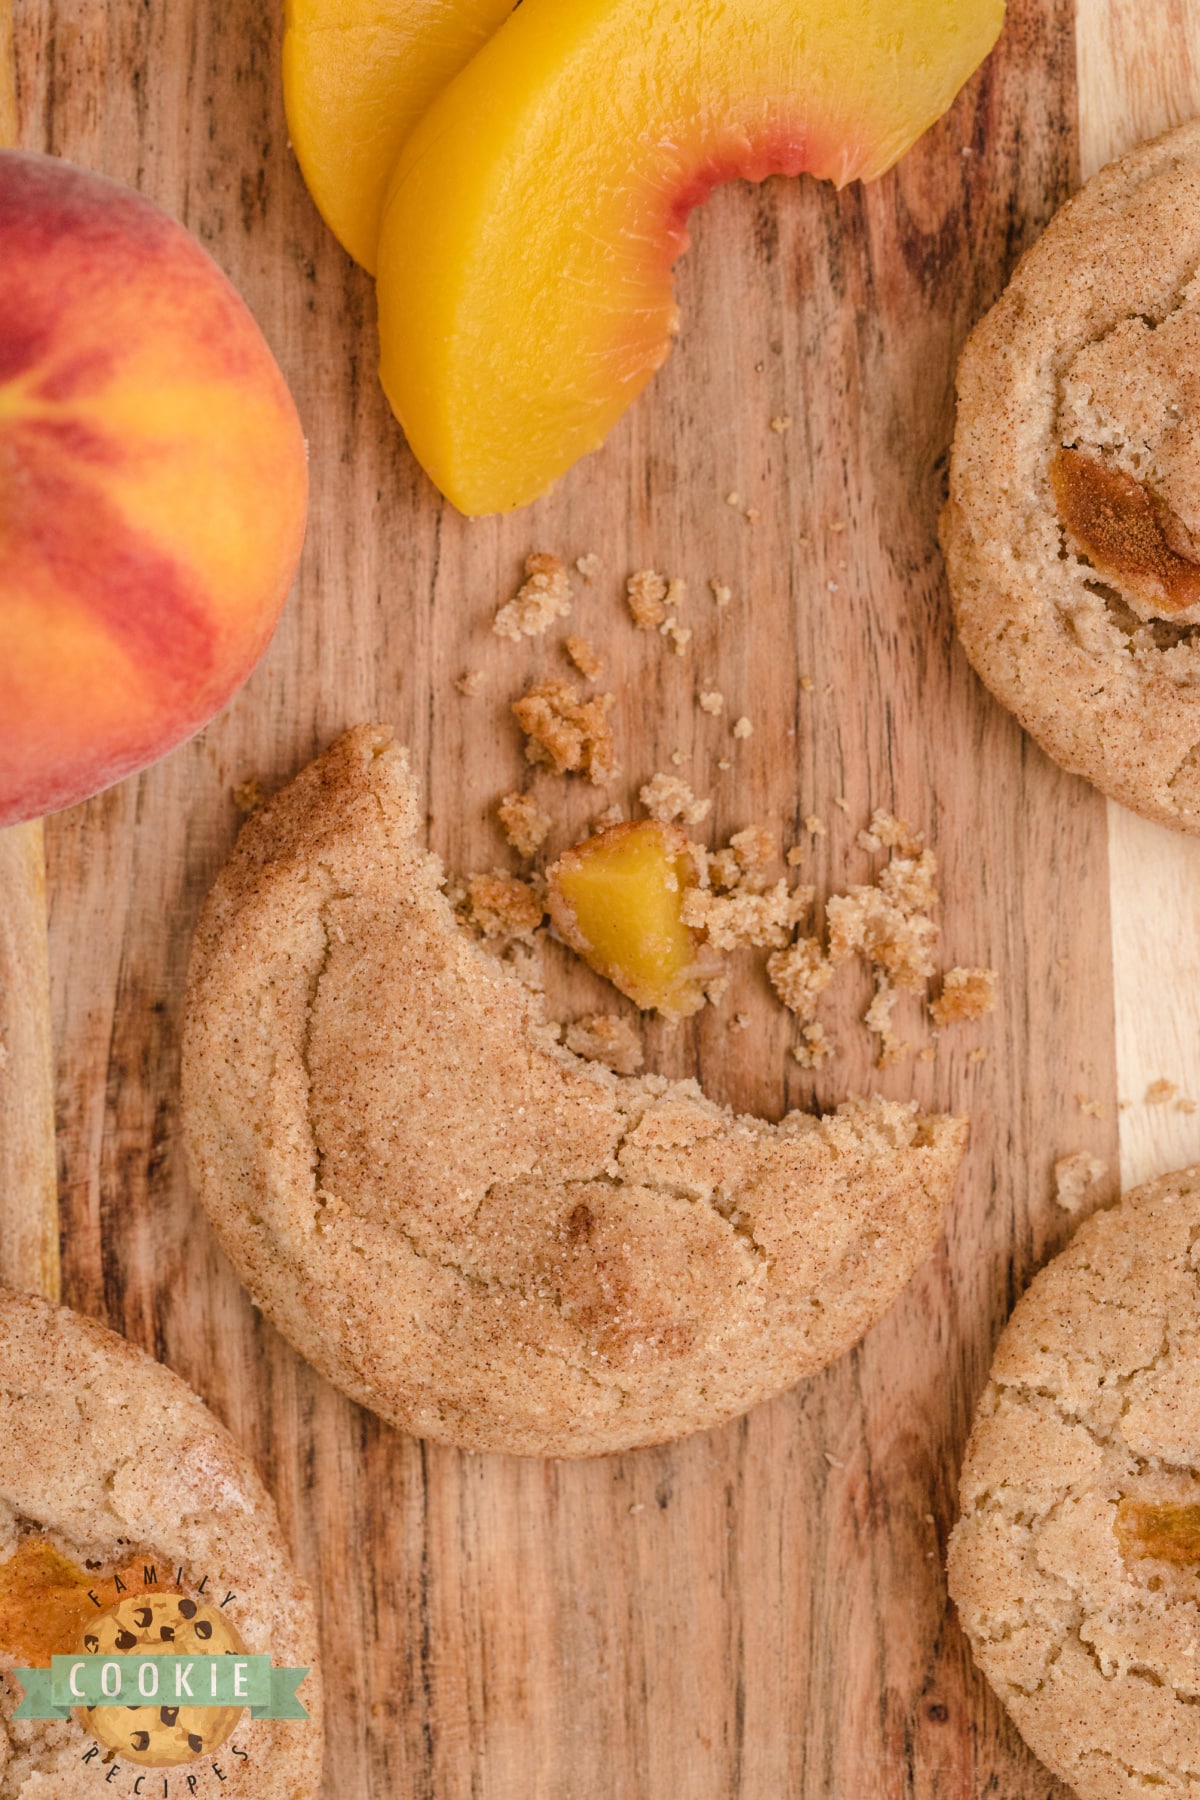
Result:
[617,899]
[357,75]
[535,213]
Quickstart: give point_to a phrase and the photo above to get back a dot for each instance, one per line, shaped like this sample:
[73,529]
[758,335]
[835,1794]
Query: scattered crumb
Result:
[720,593]
[751,515]
[679,635]
[780,423]
[676,593]
[668,797]
[795,856]
[646,593]
[724,764]
[1159,1092]
[566,733]
[715,989]
[878,1018]
[724,869]
[470,683]
[977,1056]
[526,824]
[754,847]
[248,795]
[1184,1105]
[967,994]
[838,525]
[612,815]
[887,832]
[588,566]
[888,922]
[585,656]
[800,974]
[733,498]
[501,905]
[742,728]
[732,920]
[842,804]
[927,1054]
[544,596]
[806,684]
[1091,1109]
[814,1047]
[678,758]
[606,1038]
[815,827]
[1076,1179]
[711,700]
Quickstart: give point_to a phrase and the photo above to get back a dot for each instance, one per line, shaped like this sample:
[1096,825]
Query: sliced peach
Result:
[357,75]
[530,229]
[617,899]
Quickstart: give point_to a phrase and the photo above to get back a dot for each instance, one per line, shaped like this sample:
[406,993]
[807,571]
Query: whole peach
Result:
[153,485]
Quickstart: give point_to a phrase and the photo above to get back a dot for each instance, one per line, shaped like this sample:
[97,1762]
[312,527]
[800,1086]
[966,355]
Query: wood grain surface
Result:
[760,1611]
[28,1151]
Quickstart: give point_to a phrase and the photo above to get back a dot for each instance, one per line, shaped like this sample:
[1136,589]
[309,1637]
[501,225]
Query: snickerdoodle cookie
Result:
[1072,533]
[464,1226]
[1076,1562]
[130,1522]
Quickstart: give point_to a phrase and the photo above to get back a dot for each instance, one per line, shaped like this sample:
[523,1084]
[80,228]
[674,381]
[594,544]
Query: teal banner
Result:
[160,1681]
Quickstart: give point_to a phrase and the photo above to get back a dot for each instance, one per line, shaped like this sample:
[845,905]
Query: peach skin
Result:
[537,209]
[357,75]
[153,485]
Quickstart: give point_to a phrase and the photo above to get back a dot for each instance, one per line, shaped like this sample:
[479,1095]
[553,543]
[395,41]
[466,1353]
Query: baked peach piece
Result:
[537,209]
[153,485]
[357,75]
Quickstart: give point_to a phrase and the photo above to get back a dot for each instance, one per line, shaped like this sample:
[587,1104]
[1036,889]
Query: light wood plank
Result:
[759,1611]
[1139,74]
[28,1171]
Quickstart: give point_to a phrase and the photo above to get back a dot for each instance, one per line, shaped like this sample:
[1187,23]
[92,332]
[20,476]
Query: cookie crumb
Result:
[815,827]
[1184,1105]
[588,566]
[739,918]
[754,847]
[501,905]
[780,423]
[887,832]
[470,683]
[1076,1179]
[248,795]
[733,498]
[806,684]
[566,733]
[606,1038]
[612,815]
[814,1047]
[888,922]
[1091,1109]
[795,856]
[976,1056]
[680,636]
[668,797]
[967,995]
[1160,1091]
[742,728]
[724,764]
[720,593]
[711,700]
[751,515]
[841,802]
[646,595]
[878,1018]
[800,973]
[585,656]
[526,824]
[544,596]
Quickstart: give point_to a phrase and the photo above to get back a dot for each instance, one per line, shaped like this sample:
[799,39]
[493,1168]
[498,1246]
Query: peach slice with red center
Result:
[357,75]
[537,209]
[153,485]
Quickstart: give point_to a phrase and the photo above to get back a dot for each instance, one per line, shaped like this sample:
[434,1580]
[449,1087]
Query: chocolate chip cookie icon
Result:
[162,1735]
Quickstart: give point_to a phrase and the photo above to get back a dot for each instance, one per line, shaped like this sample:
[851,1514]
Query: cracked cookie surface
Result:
[1075,1564]
[464,1226]
[110,1465]
[1072,531]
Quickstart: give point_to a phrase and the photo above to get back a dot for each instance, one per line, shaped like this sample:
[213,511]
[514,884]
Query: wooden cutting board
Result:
[760,1611]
